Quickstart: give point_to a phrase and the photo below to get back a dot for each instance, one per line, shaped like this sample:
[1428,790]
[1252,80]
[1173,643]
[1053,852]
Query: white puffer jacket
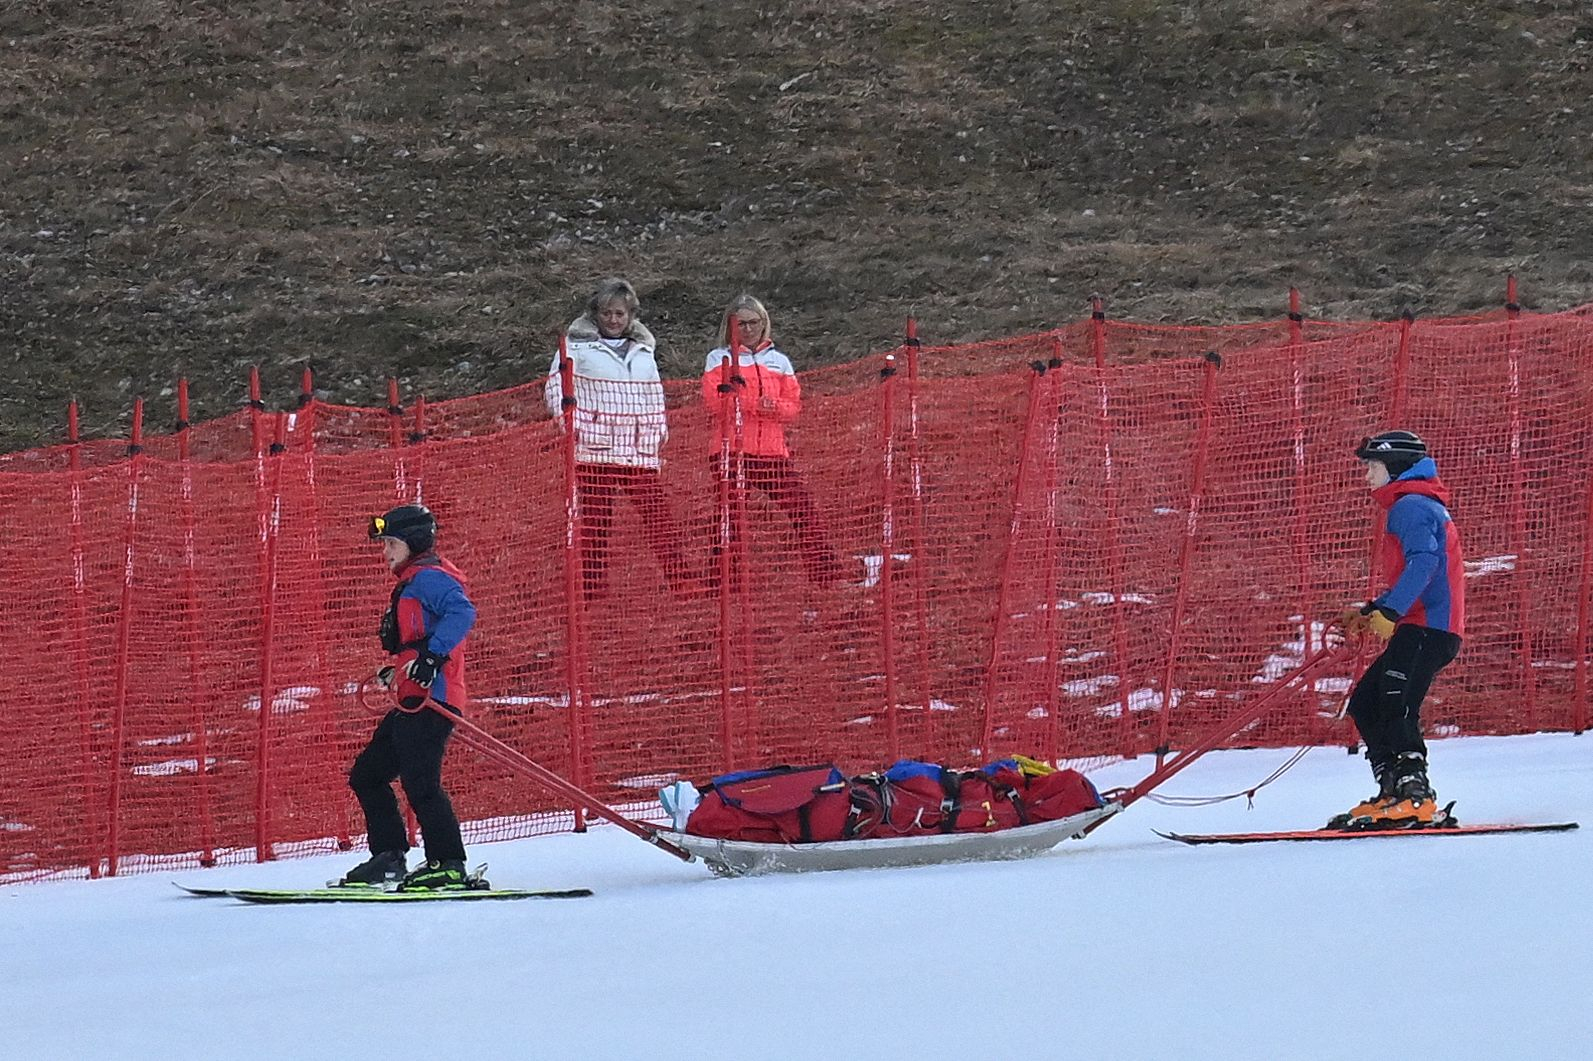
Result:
[619,401]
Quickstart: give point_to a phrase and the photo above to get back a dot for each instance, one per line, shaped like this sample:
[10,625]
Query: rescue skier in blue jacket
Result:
[424,629]
[1421,617]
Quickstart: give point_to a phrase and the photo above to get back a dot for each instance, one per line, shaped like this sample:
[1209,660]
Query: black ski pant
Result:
[408,746]
[1386,703]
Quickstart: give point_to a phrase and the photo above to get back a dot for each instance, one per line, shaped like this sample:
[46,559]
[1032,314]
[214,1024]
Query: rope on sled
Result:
[1249,794]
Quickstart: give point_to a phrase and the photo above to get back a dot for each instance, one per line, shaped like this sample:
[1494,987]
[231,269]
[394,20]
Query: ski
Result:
[335,892]
[226,893]
[203,893]
[377,895]
[1363,834]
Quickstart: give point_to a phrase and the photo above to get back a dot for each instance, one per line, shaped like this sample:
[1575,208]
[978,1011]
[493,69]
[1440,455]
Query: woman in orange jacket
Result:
[755,394]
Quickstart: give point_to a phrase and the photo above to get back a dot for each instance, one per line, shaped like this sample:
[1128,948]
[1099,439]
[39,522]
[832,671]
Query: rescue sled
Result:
[741,858]
[937,830]
[863,847]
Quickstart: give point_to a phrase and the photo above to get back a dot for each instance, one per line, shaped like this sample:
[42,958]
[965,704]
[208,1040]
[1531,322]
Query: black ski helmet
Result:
[1398,451]
[414,525]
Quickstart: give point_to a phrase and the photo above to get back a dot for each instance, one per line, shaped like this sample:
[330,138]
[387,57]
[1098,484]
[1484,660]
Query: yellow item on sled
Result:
[1032,767]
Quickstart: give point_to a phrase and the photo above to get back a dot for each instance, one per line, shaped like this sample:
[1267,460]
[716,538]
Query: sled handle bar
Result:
[499,753]
[1222,731]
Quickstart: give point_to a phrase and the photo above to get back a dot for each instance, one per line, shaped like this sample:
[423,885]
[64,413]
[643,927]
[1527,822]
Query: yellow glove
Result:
[1381,622]
[1353,620]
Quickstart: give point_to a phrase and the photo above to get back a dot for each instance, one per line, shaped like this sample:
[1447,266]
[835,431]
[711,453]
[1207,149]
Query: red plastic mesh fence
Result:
[1081,560]
[332,428]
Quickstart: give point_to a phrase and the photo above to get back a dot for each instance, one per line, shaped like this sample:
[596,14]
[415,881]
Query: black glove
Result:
[422,670]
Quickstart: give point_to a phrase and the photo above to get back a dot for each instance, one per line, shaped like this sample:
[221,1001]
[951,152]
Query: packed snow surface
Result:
[1120,945]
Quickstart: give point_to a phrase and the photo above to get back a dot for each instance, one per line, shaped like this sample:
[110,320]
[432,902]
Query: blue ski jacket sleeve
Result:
[447,611]
[1420,525]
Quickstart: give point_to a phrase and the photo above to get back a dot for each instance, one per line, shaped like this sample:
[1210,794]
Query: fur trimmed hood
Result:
[583,329]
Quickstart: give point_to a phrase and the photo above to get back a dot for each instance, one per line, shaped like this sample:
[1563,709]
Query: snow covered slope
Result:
[1121,945]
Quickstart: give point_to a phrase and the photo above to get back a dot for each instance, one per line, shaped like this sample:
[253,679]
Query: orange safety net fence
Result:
[1045,545]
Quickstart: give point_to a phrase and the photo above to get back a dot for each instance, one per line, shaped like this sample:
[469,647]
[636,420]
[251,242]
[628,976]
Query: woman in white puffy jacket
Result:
[619,431]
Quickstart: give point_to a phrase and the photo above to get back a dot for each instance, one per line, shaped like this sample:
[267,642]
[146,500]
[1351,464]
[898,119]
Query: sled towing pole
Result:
[478,739]
[1222,731]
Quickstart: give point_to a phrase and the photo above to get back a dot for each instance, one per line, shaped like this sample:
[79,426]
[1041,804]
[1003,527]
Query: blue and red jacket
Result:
[1421,552]
[431,610]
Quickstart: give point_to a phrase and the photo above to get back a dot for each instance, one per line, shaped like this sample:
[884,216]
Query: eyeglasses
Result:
[755,322]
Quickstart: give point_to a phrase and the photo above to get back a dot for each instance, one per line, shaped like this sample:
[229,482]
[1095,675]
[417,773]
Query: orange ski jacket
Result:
[770,398]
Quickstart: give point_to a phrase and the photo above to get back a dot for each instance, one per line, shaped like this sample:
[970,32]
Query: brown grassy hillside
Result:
[427,189]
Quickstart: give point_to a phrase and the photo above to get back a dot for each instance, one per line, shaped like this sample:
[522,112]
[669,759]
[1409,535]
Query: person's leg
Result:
[1425,653]
[787,489]
[371,778]
[1429,651]
[1365,708]
[659,529]
[728,511]
[597,490]
[421,740]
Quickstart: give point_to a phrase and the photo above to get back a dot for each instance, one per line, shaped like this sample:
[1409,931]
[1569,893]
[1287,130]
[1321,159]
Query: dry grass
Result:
[397,186]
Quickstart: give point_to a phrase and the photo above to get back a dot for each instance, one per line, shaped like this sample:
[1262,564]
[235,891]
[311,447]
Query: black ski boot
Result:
[382,868]
[446,875]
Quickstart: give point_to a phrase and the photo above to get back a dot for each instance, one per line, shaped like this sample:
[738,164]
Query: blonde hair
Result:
[613,289]
[741,302]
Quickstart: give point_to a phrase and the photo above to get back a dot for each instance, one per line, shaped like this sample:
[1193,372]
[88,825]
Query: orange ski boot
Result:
[1363,813]
[1415,804]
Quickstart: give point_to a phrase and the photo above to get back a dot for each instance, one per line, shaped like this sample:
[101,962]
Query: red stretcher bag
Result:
[797,805]
[784,805]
